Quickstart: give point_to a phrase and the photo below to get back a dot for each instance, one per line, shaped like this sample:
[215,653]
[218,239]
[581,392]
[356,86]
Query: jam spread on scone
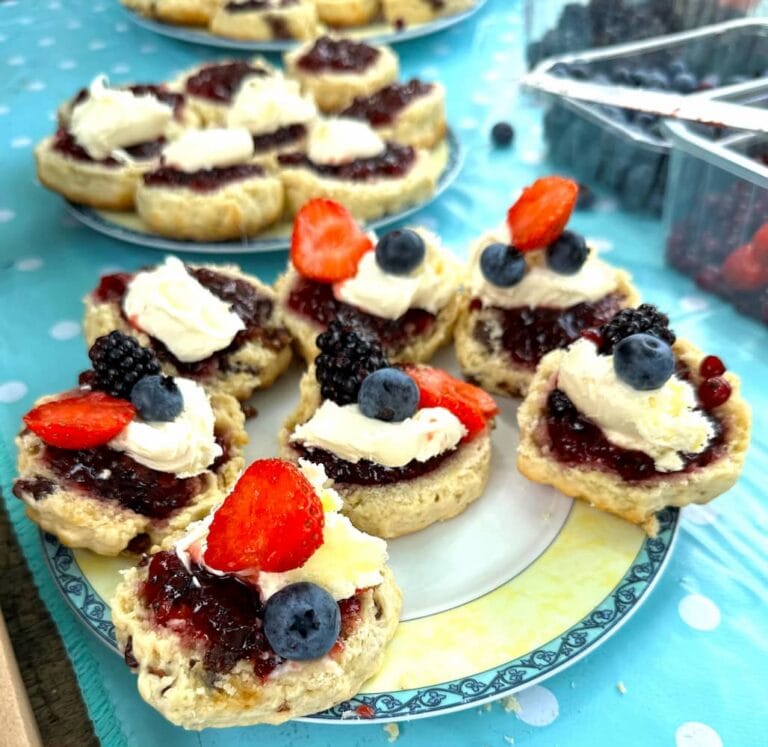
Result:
[382,107]
[64,142]
[395,161]
[338,56]
[203,180]
[220,82]
[246,5]
[279,138]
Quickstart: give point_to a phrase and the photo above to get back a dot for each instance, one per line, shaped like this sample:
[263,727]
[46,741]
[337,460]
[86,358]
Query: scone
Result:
[179,12]
[407,12]
[261,20]
[412,113]
[273,608]
[346,161]
[405,447]
[347,13]
[335,70]
[533,287]
[404,289]
[119,470]
[632,420]
[209,323]
[208,188]
[111,138]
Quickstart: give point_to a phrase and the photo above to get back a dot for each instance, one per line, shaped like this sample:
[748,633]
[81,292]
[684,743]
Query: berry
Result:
[760,244]
[400,252]
[347,355]
[711,366]
[302,621]
[622,76]
[82,421]
[743,270]
[157,398]
[272,521]
[388,394]
[685,82]
[502,265]
[540,214]
[502,134]
[119,362]
[470,404]
[645,318]
[657,80]
[643,361]
[714,392]
[567,253]
[327,243]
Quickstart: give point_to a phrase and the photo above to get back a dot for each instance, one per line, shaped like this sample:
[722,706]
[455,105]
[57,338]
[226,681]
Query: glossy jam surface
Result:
[316,301]
[37,487]
[279,138]
[575,439]
[205,180]
[172,99]
[220,612]
[382,107]
[394,162]
[220,82]
[338,56]
[528,333]
[65,143]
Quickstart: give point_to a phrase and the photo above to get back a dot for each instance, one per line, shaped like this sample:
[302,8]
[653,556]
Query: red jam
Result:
[220,82]
[316,301]
[394,162]
[338,56]
[172,99]
[530,333]
[245,5]
[37,487]
[205,180]
[279,138]
[382,107]
[65,143]
[222,613]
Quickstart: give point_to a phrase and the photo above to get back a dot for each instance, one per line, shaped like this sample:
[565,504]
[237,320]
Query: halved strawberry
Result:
[760,244]
[80,421]
[327,243]
[541,212]
[742,269]
[272,521]
[470,404]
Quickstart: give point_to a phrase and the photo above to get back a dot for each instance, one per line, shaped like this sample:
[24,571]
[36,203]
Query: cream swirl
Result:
[341,140]
[207,149]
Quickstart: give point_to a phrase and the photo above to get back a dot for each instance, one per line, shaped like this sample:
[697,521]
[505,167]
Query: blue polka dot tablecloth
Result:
[688,670]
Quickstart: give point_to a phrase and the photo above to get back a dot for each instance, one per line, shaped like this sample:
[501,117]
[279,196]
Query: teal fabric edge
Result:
[100,707]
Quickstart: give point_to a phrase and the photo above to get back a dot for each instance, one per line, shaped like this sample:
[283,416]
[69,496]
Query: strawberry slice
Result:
[743,270]
[470,404]
[272,521]
[80,421]
[760,244]
[541,212]
[327,243]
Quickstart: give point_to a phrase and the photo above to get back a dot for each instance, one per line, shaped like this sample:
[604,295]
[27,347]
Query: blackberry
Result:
[348,353]
[645,318]
[119,362]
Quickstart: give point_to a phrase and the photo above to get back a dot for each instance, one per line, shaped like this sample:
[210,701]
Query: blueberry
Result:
[157,398]
[685,82]
[643,361]
[559,70]
[502,134]
[732,80]
[567,253]
[502,265]
[677,66]
[302,621]
[579,71]
[400,252]
[388,394]
[657,80]
[639,77]
[645,120]
[622,75]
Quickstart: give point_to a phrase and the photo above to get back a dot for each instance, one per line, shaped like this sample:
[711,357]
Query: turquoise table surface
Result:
[688,670]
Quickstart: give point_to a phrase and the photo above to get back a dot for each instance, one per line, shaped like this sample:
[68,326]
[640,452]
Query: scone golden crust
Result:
[334,91]
[79,519]
[421,123]
[173,680]
[421,11]
[347,13]
[495,371]
[254,365]
[179,12]
[636,502]
[234,210]
[298,21]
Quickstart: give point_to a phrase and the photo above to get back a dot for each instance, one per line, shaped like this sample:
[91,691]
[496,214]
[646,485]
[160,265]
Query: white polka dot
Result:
[121,28]
[16,60]
[121,68]
[46,41]
[532,157]
[96,45]
[501,56]
[6,215]
[35,85]
[430,72]
[73,24]
[4,109]
[694,303]
[491,75]
[11,3]
[25,21]
[700,514]
[696,734]
[538,706]
[468,123]
[98,8]
[147,49]
[481,99]
[12,391]
[65,330]
[67,65]
[699,612]
[28,264]
[601,244]
[3,38]
[55,5]
[21,142]
[441,50]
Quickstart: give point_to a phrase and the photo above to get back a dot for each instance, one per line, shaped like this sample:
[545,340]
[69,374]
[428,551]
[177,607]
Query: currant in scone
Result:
[404,286]
[272,608]
[533,287]
[632,420]
[212,324]
[128,458]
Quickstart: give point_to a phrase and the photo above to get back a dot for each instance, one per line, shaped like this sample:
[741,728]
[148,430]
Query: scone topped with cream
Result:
[130,457]
[210,323]
[631,419]
[406,446]
[403,286]
[533,287]
[274,607]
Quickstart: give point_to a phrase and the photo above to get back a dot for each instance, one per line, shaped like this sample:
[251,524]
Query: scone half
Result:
[347,13]
[244,19]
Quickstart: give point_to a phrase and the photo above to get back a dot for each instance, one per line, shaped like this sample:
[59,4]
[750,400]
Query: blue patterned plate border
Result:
[535,667]
[199,36]
[98,222]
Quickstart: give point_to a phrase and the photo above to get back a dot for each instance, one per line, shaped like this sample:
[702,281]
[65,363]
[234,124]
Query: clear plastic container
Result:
[717,204]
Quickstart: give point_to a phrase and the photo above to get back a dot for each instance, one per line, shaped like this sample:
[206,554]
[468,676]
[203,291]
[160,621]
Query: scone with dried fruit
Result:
[263,20]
